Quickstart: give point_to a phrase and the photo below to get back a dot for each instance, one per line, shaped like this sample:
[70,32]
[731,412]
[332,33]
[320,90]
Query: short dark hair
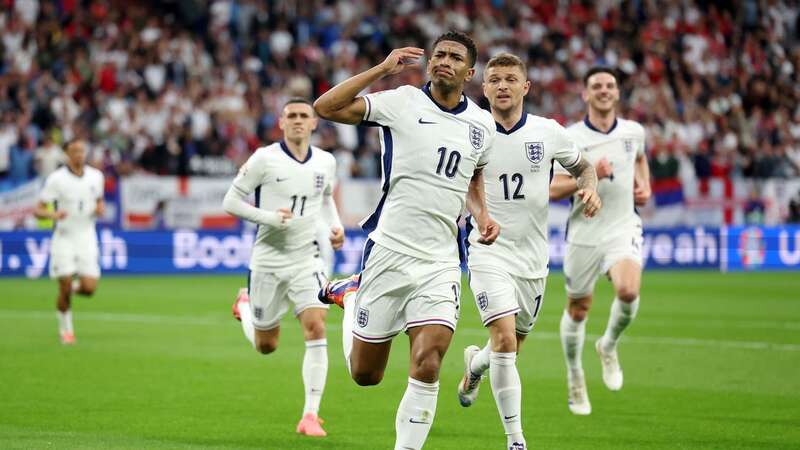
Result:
[299,100]
[461,38]
[600,69]
[507,60]
[302,100]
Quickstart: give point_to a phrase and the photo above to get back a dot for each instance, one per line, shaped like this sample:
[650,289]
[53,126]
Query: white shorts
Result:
[398,292]
[70,257]
[271,293]
[500,294]
[583,263]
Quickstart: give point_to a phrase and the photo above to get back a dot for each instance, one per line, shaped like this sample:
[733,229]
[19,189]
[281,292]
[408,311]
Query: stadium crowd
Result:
[194,86]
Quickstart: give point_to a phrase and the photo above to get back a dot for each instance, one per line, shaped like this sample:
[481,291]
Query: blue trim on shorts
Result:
[365,255]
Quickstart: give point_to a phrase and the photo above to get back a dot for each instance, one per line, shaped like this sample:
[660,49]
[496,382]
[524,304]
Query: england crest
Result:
[483,301]
[476,137]
[319,181]
[534,151]
[628,143]
[363,317]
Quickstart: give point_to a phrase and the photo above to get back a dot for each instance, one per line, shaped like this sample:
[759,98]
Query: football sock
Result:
[480,362]
[65,321]
[621,316]
[572,336]
[507,390]
[246,315]
[315,369]
[347,330]
[415,414]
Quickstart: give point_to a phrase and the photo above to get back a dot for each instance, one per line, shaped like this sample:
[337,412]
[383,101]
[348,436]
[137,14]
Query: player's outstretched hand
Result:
[59,214]
[337,237]
[400,58]
[100,210]
[604,169]
[591,201]
[641,193]
[489,231]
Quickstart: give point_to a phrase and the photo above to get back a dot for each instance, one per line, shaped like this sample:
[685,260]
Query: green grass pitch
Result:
[712,362]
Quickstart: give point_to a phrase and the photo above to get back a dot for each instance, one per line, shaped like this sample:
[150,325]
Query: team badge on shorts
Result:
[483,301]
[363,317]
[476,137]
[534,151]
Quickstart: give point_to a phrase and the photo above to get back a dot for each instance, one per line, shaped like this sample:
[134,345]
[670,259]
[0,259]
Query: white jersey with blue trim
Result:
[517,194]
[621,146]
[281,181]
[429,156]
[77,196]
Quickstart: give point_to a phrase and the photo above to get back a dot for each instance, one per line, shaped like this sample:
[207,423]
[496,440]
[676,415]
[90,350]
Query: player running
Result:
[609,244]
[76,192]
[508,278]
[292,184]
[434,143]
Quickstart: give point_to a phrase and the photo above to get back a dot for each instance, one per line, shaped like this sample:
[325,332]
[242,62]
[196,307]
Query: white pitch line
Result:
[480,332]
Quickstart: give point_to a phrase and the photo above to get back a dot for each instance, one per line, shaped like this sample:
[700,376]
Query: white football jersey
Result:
[623,143]
[77,195]
[517,194]
[281,181]
[429,156]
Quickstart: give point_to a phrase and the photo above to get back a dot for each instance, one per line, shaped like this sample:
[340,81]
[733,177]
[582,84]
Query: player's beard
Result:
[447,86]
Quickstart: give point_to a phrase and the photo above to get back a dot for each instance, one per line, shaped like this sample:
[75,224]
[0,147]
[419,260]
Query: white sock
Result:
[315,369]
[347,330]
[572,336]
[507,390]
[621,316]
[247,323]
[415,414]
[480,362]
[65,321]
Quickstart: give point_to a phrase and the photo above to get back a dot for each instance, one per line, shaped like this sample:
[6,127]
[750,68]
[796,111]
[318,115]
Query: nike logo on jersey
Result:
[279,179]
[425,122]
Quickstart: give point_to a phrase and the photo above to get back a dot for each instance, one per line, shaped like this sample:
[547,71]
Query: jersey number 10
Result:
[451,167]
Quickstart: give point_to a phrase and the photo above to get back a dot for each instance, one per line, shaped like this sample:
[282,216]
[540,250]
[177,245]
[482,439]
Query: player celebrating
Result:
[508,278]
[611,242]
[292,184]
[434,143]
[76,192]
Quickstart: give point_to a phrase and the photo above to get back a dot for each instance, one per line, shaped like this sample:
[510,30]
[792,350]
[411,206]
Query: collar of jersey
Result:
[286,150]
[516,127]
[461,107]
[69,169]
[593,128]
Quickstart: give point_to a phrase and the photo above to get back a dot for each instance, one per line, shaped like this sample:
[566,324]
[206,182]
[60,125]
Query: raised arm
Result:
[476,205]
[342,104]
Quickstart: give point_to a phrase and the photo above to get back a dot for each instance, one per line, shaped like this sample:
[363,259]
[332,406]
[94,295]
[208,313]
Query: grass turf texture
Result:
[711,362]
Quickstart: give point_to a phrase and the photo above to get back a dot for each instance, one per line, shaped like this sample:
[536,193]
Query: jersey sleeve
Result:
[642,150]
[251,174]
[331,184]
[101,185]
[385,107]
[49,192]
[487,154]
[566,153]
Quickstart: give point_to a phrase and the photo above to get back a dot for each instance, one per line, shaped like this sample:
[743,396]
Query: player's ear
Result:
[585,95]
[280,123]
[314,122]
[470,74]
[526,87]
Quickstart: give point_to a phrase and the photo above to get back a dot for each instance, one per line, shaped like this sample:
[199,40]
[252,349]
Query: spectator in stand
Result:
[47,157]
